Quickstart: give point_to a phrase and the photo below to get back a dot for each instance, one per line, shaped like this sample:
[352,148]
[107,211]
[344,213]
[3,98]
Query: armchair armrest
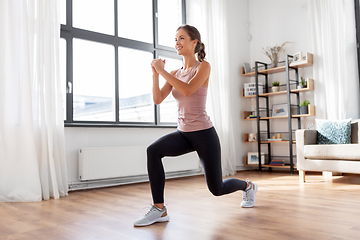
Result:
[355,128]
[303,137]
[306,136]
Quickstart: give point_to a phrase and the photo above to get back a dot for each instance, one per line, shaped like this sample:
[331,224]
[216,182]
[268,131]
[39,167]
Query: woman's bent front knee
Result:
[216,191]
[153,153]
[151,149]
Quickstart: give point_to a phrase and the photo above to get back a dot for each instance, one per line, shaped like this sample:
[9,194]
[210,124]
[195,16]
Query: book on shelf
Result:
[275,139]
[277,163]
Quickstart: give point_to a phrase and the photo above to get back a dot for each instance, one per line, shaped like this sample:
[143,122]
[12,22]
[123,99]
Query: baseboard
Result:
[241,168]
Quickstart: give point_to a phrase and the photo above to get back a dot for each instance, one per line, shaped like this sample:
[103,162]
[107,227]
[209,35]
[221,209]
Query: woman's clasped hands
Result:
[158,65]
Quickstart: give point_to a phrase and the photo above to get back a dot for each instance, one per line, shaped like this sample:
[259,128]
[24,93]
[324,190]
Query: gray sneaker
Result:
[154,215]
[249,195]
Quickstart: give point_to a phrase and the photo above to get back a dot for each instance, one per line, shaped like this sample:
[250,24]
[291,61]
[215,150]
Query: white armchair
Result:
[342,158]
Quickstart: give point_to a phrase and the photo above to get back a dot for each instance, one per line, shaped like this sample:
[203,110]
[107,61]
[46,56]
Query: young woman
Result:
[195,131]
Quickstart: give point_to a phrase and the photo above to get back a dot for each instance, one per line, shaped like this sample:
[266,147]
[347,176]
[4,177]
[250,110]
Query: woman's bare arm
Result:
[160,94]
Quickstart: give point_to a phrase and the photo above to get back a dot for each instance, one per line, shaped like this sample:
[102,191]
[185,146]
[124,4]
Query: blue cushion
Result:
[333,131]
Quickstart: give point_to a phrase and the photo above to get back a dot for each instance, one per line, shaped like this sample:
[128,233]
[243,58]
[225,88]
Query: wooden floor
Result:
[284,209]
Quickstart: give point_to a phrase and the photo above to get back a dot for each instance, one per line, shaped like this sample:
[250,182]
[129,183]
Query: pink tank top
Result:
[192,115]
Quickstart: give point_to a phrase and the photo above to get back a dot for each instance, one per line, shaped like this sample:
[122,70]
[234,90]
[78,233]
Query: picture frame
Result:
[253,158]
[280,110]
[247,67]
[297,57]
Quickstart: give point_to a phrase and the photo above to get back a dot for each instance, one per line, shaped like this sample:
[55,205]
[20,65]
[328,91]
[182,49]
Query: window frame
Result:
[357,27]
[68,32]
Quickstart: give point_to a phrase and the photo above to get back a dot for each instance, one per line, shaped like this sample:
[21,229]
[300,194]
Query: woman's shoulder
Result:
[204,64]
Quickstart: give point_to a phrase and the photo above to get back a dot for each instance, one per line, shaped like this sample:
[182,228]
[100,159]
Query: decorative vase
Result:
[304,110]
[274,62]
[275,89]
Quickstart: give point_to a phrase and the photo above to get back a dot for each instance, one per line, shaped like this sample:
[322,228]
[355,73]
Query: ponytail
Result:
[200,50]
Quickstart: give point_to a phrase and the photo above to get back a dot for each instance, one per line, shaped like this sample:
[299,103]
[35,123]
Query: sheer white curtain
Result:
[32,149]
[333,36]
[208,16]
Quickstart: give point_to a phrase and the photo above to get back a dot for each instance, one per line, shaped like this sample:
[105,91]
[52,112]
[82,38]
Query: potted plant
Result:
[304,107]
[275,86]
[302,83]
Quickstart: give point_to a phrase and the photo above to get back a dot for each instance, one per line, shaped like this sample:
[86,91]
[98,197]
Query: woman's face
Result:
[183,43]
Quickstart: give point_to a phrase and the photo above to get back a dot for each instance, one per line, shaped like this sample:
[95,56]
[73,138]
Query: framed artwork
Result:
[247,67]
[297,57]
[253,158]
[280,110]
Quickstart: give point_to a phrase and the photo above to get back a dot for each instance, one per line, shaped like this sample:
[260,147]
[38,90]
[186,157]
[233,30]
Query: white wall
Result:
[237,18]
[277,21]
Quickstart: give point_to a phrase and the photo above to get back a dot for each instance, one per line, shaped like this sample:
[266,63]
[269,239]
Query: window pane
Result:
[63,12]
[135,20]
[62,46]
[94,15]
[135,86]
[93,81]
[168,108]
[170,18]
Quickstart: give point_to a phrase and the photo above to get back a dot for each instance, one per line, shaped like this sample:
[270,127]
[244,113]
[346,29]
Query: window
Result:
[135,85]
[93,81]
[129,12]
[94,15]
[105,54]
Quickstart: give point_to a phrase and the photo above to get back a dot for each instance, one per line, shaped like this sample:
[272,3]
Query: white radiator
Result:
[105,163]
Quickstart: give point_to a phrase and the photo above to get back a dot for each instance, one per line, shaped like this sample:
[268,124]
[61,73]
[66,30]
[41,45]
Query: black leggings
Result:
[206,144]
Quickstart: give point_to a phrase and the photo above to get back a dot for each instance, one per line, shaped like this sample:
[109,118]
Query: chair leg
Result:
[301,176]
